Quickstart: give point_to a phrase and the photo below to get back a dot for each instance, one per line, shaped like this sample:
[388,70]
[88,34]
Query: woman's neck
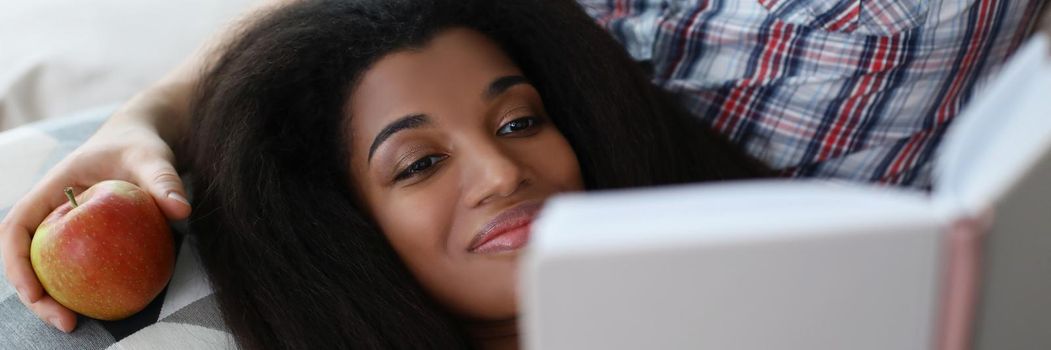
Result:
[494,335]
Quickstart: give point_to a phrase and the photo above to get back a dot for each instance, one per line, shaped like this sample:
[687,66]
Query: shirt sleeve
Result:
[856,90]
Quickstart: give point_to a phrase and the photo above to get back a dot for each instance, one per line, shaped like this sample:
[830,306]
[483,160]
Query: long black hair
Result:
[294,262]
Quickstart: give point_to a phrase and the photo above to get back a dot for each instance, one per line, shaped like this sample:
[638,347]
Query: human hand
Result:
[124,149]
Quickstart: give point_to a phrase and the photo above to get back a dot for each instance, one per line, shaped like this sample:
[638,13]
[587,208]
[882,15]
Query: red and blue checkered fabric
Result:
[850,89]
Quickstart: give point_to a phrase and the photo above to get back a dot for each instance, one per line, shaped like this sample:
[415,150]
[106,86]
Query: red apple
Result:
[105,254]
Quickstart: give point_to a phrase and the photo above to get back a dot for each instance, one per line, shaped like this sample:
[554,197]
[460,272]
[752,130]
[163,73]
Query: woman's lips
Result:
[507,231]
[505,241]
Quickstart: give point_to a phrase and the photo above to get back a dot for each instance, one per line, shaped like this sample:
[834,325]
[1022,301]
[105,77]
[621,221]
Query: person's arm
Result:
[164,106]
[138,144]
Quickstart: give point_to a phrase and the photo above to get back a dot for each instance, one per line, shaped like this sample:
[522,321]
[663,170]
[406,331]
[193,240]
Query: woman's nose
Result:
[492,173]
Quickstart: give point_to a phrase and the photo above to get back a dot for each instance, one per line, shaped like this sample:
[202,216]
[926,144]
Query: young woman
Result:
[365,172]
[361,167]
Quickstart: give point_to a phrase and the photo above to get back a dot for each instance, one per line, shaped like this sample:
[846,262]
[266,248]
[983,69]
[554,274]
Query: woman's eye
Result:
[517,125]
[419,166]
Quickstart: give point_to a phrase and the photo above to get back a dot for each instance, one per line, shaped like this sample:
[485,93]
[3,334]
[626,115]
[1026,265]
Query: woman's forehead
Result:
[451,72]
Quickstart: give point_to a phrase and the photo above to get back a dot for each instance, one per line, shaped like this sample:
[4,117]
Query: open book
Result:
[784,264]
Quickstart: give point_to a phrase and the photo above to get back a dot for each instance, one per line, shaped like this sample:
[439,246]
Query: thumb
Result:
[164,184]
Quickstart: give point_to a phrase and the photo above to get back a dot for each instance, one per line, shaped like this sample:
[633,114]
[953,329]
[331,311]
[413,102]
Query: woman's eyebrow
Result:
[501,84]
[497,87]
[406,122]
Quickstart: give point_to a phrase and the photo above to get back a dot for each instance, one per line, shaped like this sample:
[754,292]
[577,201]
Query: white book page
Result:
[719,212]
[999,137]
[806,264]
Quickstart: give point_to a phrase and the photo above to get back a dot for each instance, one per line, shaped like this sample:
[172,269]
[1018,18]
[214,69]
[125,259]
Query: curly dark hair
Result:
[294,261]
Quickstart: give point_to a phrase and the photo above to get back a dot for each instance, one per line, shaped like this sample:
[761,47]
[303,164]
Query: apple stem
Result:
[69,194]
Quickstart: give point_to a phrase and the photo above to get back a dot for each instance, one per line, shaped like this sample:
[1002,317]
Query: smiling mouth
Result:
[508,231]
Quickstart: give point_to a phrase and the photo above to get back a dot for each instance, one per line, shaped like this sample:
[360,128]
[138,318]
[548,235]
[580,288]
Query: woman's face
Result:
[452,153]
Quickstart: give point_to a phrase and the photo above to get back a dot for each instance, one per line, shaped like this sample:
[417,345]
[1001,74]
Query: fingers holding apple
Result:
[106,253]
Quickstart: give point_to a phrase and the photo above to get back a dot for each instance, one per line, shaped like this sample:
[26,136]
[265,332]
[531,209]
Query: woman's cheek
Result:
[416,223]
[563,164]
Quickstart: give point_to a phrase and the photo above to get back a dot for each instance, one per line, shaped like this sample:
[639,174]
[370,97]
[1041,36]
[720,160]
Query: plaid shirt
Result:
[858,90]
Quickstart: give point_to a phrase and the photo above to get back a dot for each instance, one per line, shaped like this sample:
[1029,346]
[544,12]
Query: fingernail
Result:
[178,197]
[54,322]
[22,296]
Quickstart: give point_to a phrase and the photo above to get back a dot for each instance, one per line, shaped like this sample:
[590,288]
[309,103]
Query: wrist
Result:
[162,109]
